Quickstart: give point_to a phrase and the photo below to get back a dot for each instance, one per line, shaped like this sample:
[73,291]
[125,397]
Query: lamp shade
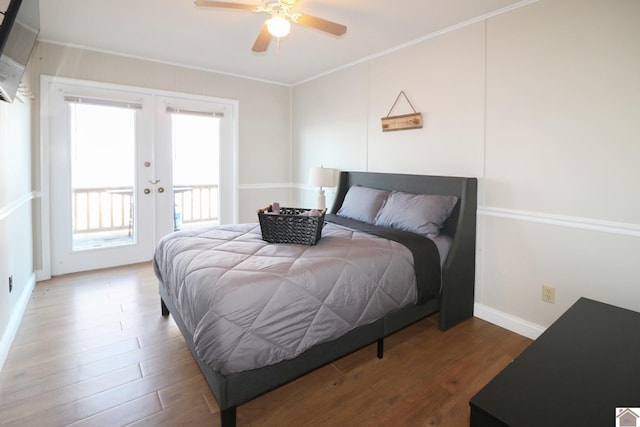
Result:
[322,177]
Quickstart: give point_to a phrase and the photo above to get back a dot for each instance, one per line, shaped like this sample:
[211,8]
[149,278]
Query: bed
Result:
[241,349]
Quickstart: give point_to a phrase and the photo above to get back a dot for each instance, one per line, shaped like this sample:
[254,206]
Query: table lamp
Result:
[322,177]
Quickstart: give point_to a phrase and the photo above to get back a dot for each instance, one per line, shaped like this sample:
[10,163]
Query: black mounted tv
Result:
[19,28]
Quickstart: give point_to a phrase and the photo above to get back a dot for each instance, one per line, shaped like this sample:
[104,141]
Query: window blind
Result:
[176,110]
[103,102]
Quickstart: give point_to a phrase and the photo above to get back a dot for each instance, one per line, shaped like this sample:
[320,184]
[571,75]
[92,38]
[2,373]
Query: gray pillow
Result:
[362,203]
[418,213]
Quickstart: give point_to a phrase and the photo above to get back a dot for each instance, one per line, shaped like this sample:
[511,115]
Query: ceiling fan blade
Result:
[224,4]
[322,25]
[263,40]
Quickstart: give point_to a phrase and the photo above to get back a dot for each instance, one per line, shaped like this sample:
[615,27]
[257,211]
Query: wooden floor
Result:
[94,350]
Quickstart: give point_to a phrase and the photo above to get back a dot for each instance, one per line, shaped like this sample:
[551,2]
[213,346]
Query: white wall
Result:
[16,199]
[330,127]
[563,97]
[444,80]
[541,104]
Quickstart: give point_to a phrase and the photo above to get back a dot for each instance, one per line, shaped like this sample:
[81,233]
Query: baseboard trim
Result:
[507,321]
[15,319]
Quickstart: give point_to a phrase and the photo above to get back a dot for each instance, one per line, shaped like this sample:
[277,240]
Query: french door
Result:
[128,167]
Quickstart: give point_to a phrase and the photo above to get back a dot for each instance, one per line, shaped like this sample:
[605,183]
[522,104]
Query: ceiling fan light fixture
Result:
[278,23]
[278,26]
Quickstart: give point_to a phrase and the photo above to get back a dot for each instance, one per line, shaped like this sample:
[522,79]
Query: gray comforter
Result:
[248,303]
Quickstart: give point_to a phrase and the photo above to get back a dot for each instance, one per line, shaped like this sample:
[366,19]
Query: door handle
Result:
[161,190]
[154,182]
[147,191]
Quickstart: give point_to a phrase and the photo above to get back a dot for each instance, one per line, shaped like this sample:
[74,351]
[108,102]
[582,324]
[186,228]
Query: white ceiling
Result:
[177,32]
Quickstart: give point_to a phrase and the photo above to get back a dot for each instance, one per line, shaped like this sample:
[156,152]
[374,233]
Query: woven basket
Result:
[290,227]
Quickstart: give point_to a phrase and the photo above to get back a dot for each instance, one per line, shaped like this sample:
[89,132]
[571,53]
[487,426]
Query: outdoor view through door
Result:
[103,172]
[196,148]
[103,150]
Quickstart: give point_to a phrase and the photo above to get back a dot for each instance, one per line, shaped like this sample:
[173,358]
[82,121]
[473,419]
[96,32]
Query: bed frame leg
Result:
[163,307]
[228,417]
[380,348]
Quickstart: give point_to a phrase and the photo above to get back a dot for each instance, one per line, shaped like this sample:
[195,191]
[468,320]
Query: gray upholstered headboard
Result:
[458,272]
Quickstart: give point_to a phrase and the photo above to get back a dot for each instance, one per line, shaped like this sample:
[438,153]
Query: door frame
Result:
[42,210]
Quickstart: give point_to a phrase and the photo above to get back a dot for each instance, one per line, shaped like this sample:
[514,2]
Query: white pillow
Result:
[418,213]
[362,203]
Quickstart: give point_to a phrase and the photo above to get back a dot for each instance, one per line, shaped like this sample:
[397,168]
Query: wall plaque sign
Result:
[405,121]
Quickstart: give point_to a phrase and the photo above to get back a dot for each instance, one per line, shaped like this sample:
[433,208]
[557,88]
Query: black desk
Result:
[576,373]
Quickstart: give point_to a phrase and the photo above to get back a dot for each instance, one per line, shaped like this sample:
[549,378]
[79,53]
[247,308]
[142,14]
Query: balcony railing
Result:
[102,209]
[111,209]
[195,204]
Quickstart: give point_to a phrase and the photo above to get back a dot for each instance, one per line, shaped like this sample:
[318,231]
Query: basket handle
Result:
[265,209]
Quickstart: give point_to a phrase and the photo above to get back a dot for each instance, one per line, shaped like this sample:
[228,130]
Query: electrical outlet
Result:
[548,294]
[10,284]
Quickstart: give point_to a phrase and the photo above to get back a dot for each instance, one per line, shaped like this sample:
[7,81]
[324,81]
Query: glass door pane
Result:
[103,146]
[196,173]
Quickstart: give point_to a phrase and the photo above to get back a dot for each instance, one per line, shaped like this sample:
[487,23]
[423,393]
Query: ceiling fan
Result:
[279,23]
